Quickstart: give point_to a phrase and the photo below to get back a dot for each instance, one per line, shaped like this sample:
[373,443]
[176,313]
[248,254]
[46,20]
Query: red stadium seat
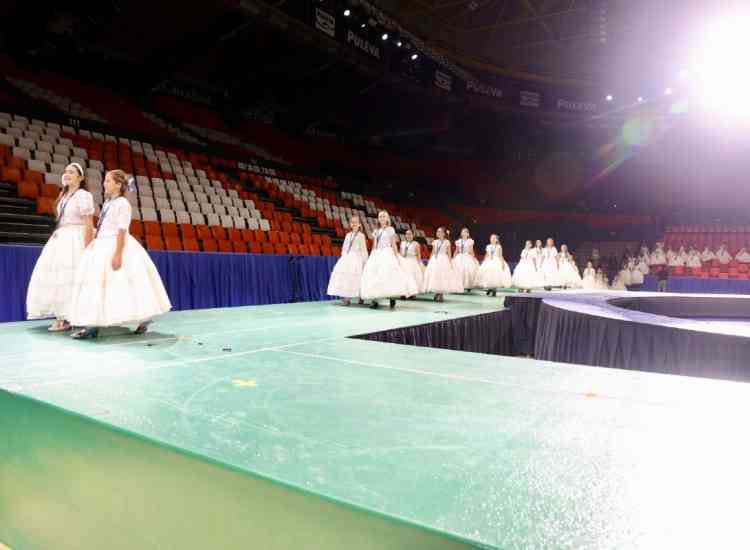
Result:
[50,190]
[204,233]
[210,246]
[173,243]
[152,228]
[248,235]
[187,231]
[219,233]
[154,242]
[169,230]
[27,190]
[136,229]
[190,245]
[45,205]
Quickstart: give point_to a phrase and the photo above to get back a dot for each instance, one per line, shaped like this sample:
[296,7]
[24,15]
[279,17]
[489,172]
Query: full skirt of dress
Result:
[383,277]
[590,283]
[569,275]
[51,285]
[441,278]
[636,277]
[551,274]
[467,267]
[494,274]
[414,269]
[527,277]
[103,297]
[346,277]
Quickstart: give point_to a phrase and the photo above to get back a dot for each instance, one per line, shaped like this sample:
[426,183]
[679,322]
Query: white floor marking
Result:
[127,371]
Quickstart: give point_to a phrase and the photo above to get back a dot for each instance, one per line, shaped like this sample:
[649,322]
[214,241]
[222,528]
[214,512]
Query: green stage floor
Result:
[266,427]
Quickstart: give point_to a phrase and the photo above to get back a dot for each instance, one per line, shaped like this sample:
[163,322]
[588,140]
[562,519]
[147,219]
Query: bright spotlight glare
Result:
[668,91]
[640,99]
[414,57]
[347,13]
[609,97]
[385,36]
[398,43]
[724,83]
[684,74]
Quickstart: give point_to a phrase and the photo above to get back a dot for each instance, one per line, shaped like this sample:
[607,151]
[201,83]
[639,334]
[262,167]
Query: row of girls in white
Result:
[691,257]
[381,275]
[91,279]
[356,276]
[544,267]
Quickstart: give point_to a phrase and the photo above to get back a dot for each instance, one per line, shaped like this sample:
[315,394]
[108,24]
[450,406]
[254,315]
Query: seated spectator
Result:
[707,255]
[682,255]
[674,259]
[743,256]
[693,259]
[723,255]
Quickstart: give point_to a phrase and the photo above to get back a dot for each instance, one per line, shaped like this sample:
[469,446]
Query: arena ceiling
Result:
[554,39]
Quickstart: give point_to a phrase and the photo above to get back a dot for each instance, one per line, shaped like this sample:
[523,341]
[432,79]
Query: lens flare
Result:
[723,82]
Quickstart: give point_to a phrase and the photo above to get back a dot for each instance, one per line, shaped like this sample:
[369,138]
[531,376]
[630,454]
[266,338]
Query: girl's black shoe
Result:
[393,303]
[85,334]
[374,305]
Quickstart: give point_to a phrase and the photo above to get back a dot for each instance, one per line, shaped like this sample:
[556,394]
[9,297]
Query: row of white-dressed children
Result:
[394,270]
[691,257]
[92,278]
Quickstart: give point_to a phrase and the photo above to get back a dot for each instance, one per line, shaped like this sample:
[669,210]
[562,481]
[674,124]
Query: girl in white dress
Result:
[723,254]
[117,284]
[619,282]
[440,278]
[551,265]
[743,256]
[589,277]
[569,274]
[672,258]
[346,277]
[494,272]
[624,274]
[382,276]
[464,261]
[636,275]
[682,255]
[658,257]
[411,261]
[707,255]
[51,284]
[525,274]
[643,263]
[694,259]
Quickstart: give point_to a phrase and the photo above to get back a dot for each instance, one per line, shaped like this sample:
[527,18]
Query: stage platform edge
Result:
[70,482]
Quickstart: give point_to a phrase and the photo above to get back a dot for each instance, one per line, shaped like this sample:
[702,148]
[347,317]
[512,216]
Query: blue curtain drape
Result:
[697,285]
[194,280]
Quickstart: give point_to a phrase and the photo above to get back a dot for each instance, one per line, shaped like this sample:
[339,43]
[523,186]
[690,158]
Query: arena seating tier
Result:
[185,200]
